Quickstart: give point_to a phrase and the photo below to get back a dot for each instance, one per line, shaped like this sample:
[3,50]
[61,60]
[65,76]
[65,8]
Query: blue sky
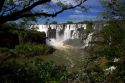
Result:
[75,15]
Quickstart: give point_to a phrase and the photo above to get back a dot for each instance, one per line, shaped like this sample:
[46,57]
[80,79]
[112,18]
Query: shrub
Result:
[113,48]
[9,39]
[30,50]
[32,36]
[3,50]
[11,35]
[113,34]
[35,71]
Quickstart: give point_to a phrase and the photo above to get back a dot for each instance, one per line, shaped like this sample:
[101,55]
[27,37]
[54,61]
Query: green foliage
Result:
[32,36]
[114,41]
[54,22]
[30,50]
[35,71]
[12,34]
[112,52]
[90,26]
[89,72]
[113,34]
[69,22]
[8,36]
[113,47]
[8,27]
[50,71]
[3,50]
[114,9]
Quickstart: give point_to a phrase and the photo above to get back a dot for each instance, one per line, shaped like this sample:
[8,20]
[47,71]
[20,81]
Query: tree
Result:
[113,47]
[114,9]
[69,22]
[54,22]
[11,10]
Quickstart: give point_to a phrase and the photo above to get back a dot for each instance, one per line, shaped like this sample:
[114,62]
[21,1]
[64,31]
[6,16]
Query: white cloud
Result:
[66,2]
[95,10]
[79,17]
[76,16]
[78,11]
[54,1]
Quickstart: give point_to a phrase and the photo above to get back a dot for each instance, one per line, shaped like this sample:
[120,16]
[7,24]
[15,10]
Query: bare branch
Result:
[54,14]
[26,11]
[17,15]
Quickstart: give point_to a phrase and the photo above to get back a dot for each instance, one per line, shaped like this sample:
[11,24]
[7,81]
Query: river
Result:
[69,56]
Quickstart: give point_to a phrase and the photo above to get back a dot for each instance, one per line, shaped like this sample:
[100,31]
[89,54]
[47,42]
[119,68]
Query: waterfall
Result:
[88,40]
[43,28]
[67,32]
[58,33]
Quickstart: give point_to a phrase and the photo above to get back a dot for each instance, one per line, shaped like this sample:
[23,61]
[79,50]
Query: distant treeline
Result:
[81,22]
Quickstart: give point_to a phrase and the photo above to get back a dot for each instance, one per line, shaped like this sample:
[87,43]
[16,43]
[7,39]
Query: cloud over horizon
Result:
[76,15]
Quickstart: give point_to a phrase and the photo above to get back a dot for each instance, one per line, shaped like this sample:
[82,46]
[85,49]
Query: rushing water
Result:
[58,34]
[66,54]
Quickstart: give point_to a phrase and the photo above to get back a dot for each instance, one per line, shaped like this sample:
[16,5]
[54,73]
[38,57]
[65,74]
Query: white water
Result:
[88,40]
[69,31]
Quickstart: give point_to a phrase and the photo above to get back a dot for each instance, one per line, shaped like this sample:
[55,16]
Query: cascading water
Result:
[43,28]
[67,33]
[70,41]
[88,40]
[58,34]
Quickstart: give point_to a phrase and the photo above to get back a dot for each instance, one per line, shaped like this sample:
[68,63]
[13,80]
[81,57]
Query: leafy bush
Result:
[29,50]
[8,27]
[113,34]
[12,35]
[8,39]
[35,71]
[113,48]
[32,36]
[2,50]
